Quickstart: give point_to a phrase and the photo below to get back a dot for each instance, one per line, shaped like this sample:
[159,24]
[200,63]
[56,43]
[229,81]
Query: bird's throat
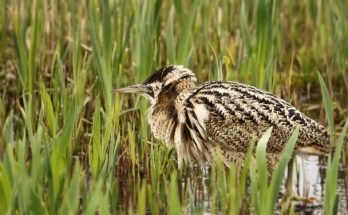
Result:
[163,117]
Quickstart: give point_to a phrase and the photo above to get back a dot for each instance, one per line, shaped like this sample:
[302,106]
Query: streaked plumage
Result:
[197,119]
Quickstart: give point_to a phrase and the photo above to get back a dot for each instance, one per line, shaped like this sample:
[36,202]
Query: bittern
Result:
[225,114]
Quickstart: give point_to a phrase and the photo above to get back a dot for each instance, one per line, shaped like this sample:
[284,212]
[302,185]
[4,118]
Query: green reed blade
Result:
[328,106]
[331,179]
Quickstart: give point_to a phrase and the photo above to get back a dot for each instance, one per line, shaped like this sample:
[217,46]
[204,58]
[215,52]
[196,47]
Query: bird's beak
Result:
[138,88]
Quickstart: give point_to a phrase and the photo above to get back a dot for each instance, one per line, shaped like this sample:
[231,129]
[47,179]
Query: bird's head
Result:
[163,79]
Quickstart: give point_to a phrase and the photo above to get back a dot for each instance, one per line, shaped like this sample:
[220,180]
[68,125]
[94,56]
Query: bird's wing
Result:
[229,114]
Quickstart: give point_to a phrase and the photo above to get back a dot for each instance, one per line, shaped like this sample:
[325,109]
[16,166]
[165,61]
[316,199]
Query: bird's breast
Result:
[163,124]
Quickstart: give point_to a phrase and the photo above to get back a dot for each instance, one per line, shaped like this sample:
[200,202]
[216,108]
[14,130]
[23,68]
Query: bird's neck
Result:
[163,114]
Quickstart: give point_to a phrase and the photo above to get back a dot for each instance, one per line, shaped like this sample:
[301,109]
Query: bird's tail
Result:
[314,150]
[317,145]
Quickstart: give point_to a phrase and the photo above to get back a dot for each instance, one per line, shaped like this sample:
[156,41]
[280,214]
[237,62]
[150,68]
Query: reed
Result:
[68,145]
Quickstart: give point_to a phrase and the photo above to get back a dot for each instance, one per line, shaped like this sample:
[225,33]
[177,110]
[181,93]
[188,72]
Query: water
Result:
[311,183]
[308,183]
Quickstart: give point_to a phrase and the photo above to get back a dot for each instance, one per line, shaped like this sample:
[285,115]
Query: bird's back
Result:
[229,114]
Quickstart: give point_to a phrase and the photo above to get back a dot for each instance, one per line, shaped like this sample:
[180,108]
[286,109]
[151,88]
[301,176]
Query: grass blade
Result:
[328,106]
[330,196]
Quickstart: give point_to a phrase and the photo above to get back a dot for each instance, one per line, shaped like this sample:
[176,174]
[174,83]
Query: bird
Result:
[196,119]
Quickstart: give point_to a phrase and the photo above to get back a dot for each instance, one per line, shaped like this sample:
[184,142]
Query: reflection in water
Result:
[309,182]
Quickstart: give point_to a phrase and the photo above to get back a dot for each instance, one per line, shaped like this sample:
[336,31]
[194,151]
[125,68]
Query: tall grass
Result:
[265,195]
[68,145]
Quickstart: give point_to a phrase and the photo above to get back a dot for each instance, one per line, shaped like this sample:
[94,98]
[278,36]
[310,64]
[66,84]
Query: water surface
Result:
[309,182]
